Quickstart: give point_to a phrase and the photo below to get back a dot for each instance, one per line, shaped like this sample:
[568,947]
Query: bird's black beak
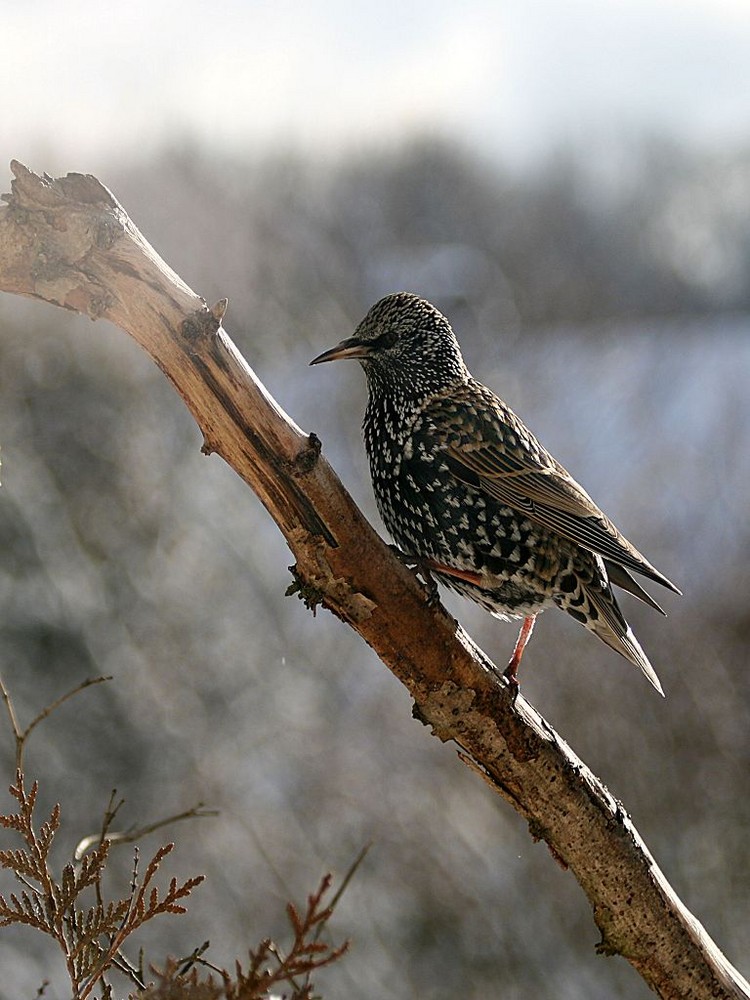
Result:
[351,348]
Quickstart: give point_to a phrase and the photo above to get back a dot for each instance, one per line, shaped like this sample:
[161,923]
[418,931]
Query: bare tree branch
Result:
[68,241]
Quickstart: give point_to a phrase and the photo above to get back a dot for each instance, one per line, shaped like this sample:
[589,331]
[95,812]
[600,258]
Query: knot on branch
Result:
[204,323]
[307,457]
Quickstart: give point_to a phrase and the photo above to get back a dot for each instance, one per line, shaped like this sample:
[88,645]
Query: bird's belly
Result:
[506,600]
[512,562]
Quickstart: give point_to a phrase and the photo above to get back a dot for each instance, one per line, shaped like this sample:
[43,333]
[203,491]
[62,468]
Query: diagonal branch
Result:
[68,241]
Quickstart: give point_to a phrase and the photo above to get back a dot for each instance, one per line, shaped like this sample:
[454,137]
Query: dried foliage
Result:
[90,934]
[268,967]
[91,929]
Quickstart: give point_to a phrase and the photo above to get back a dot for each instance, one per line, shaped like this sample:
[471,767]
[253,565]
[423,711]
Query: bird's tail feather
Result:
[621,578]
[612,628]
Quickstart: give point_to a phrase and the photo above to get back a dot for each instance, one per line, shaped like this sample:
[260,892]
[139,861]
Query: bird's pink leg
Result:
[511,671]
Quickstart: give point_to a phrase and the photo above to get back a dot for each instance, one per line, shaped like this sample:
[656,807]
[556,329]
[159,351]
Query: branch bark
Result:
[68,242]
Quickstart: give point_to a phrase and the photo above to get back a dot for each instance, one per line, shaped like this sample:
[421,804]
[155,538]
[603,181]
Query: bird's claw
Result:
[433,595]
[423,569]
[400,554]
[512,682]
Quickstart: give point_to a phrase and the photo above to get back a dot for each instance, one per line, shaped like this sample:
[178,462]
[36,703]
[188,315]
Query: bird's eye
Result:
[387,339]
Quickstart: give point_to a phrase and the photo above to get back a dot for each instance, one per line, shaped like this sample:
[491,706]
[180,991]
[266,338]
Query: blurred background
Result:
[570,182]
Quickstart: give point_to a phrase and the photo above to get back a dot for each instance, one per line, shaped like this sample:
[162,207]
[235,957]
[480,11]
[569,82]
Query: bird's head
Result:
[404,344]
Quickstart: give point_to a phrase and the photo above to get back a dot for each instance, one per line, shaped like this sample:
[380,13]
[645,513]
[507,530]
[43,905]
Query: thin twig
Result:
[17,735]
[337,896]
[348,877]
[21,737]
[63,698]
[123,964]
[185,964]
[197,812]
[10,708]
[131,836]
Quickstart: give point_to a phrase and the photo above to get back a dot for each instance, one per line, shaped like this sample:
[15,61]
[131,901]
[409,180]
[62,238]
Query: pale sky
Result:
[83,82]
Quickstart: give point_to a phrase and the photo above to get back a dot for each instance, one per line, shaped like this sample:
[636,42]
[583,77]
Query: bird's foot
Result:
[513,684]
[423,569]
[511,671]
[433,594]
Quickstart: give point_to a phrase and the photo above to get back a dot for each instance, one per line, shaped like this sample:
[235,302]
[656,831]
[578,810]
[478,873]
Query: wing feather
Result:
[503,458]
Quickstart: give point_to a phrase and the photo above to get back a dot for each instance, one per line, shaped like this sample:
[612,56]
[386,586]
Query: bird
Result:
[470,496]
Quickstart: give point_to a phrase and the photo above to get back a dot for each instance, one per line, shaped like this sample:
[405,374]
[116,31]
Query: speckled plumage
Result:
[464,487]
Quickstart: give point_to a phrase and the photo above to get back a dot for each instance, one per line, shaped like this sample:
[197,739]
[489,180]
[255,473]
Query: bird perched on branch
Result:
[471,496]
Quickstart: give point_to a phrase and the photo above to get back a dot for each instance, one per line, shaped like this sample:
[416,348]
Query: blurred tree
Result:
[127,553]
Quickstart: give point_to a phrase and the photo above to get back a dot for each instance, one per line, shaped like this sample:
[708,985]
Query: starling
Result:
[471,497]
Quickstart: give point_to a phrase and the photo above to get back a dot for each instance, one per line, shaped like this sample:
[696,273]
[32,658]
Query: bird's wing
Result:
[487,446]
